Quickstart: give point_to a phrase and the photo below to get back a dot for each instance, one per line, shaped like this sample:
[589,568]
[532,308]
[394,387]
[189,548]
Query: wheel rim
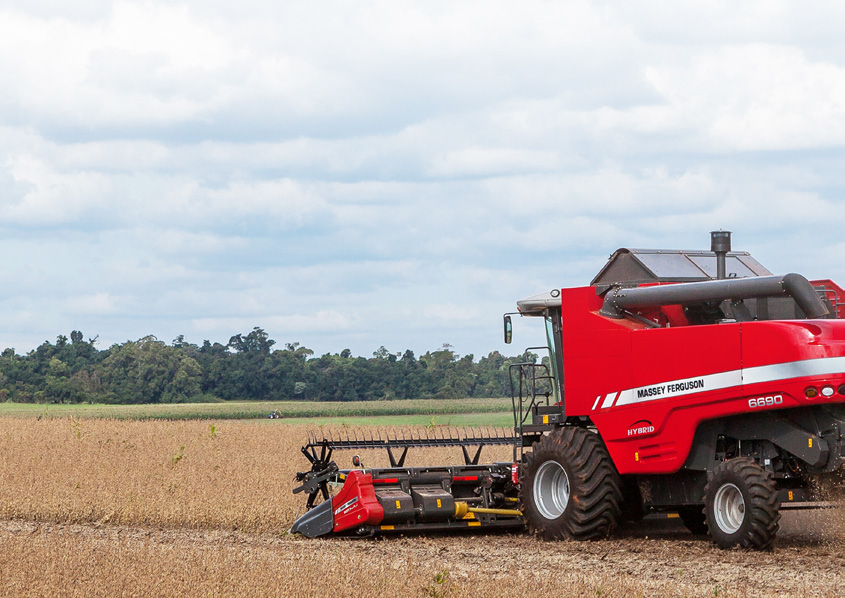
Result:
[729,508]
[551,490]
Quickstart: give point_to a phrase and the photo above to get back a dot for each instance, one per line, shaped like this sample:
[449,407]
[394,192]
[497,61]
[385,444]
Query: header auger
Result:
[690,382]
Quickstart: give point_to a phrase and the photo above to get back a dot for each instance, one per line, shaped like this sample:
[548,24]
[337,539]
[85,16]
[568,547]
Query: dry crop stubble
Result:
[86,560]
[111,561]
[167,508]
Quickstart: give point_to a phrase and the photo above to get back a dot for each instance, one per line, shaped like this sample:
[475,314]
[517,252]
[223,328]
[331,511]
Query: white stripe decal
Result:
[675,388]
[598,398]
[823,366]
[608,400]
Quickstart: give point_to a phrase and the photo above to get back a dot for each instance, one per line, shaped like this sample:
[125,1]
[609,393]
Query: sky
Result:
[398,174]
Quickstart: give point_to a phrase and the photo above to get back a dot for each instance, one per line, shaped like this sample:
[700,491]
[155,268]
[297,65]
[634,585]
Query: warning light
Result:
[810,392]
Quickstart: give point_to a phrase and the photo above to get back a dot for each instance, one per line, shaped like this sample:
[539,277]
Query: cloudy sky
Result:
[356,174]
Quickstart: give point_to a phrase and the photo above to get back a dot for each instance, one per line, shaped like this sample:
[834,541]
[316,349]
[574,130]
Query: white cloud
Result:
[490,161]
[757,97]
[98,304]
[51,197]
[140,64]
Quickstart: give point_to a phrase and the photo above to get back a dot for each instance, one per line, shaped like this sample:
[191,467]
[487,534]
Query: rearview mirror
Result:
[508,330]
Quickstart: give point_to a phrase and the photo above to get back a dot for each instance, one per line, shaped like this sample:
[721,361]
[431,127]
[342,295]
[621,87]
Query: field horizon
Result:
[456,411]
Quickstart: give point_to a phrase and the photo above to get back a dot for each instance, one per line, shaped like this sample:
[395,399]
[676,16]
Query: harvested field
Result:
[104,508]
[90,560]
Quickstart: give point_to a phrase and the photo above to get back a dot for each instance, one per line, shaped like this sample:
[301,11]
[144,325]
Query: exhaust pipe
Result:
[617,300]
[720,244]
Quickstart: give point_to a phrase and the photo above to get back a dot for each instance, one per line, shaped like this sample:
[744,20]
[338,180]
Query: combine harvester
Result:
[686,382]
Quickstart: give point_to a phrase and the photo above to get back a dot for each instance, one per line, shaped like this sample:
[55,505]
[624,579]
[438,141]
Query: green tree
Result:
[148,371]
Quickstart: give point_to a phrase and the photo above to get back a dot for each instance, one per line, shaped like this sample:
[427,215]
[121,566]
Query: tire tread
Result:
[763,508]
[596,489]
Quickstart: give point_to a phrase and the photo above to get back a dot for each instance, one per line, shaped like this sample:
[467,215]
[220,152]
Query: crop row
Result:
[259,409]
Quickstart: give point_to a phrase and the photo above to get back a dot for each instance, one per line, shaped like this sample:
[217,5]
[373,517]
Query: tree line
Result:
[249,366]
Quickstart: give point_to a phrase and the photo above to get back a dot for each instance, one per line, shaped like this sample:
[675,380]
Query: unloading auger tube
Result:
[619,299]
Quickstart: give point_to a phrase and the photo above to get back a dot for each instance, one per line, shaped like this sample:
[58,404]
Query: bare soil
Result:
[651,558]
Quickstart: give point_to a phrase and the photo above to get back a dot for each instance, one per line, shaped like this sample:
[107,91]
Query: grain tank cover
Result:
[637,266]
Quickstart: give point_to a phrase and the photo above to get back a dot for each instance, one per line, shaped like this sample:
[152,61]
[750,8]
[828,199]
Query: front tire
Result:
[741,505]
[570,488]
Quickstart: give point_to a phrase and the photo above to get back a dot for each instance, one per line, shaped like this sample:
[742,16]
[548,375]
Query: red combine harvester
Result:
[686,382]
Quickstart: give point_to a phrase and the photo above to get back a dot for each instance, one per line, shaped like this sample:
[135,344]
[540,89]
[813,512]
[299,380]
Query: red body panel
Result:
[647,389]
[356,503]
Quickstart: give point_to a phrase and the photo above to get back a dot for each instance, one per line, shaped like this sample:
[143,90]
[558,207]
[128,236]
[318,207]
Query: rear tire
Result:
[741,505]
[569,487]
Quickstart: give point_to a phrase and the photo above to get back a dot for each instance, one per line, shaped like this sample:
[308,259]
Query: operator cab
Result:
[537,388]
